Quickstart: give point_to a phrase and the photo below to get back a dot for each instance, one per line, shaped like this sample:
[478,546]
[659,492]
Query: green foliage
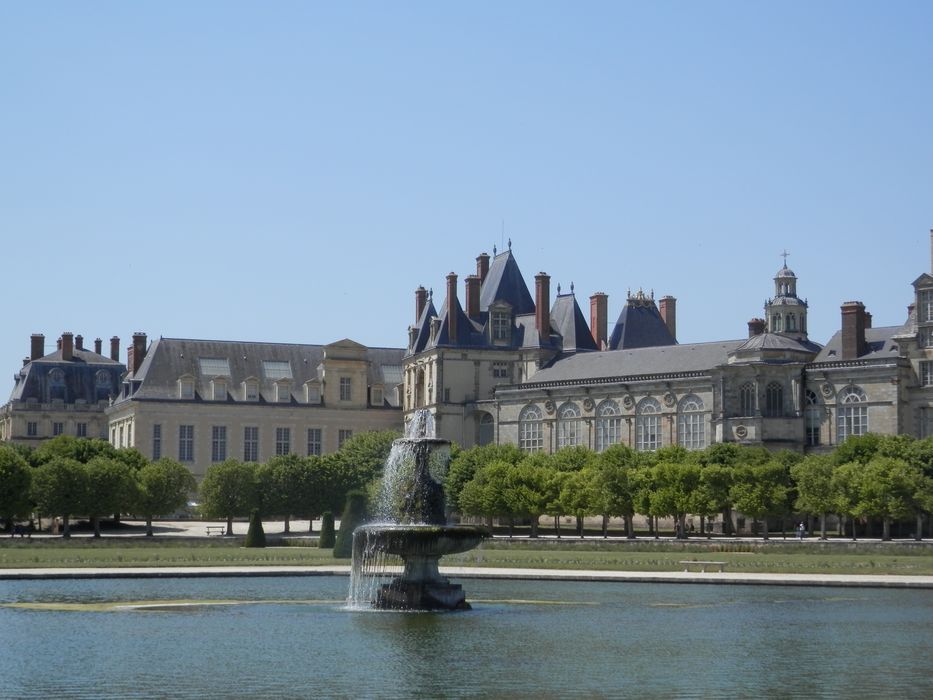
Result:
[487,492]
[164,486]
[230,489]
[571,459]
[82,450]
[255,536]
[354,515]
[465,463]
[59,487]
[813,476]
[615,475]
[760,490]
[15,482]
[328,537]
[365,454]
[857,448]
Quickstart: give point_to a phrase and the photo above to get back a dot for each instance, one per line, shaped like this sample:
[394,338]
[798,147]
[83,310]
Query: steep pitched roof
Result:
[567,320]
[879,344]
[504,282]
[640,326]
[617,364]
[79,375]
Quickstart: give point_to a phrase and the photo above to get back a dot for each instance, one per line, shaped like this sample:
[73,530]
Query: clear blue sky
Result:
[292,171]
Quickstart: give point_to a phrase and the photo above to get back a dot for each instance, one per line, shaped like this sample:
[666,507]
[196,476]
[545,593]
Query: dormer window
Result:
[219,389]
[186,388]
[282,392]
[251,390]
[925,305]
[313,392]
[376,396]
[501,326]
[346,389]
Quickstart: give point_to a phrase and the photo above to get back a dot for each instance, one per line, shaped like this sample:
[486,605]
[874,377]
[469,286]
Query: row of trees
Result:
[69,476]
[886,478]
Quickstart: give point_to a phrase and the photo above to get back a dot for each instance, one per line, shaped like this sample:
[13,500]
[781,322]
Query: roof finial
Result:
[571,286]
[784,255]
[510,243]
[494,251]
[558,289]
[431,294]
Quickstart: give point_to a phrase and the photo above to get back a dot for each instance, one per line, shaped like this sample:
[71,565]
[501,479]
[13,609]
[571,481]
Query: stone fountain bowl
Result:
[424,540]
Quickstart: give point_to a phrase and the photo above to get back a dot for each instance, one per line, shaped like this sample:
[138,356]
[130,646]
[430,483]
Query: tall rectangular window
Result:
[32,428]
[314,441]
[185,443]
[251,444]
[156,441]
[58,428]
[283,441]
[500,370]
[926,337]
[926,373]
[218,443]
[81,430]
[925,305]
[342,436]
[501,326]
[346,387]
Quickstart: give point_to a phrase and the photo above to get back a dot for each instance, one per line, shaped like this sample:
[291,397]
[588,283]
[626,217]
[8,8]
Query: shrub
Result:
[328,536]
[354,515]
[255,536]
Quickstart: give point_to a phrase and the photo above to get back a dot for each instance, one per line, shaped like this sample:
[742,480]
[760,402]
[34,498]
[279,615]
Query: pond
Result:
[245,637]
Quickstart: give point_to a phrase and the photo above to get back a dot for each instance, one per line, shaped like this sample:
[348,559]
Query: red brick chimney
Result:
[79,342]
[543,306]
[453,306]
[482,266]
[136,353]
[668,308]
[421,300]
[756,326]
[599,318]
[867,320]
[36,346]
[853,330]
[115,349]
[473,283]
[98,345]
[68,346]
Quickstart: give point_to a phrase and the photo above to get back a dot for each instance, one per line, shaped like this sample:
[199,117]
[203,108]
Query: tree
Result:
[846,487]
[164,486]
[328,537]
[366,454]
[675,490]
[230,490]
[465,463]
[616,484]
[713,494]
[857,448]
[82,450]
[760,491]
[354,515]
[58,489]
[111,488]
[578,495]
[527,491]
[886,489]
[813,476]
[15,482]
[281,486]
[255,535]
[486,494]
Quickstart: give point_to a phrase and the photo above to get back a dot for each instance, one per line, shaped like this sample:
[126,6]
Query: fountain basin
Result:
[422,540]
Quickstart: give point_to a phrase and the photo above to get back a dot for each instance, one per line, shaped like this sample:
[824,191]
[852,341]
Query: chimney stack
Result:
[68,346]
[931,249]
[115,349]
[543,306]
[482,266]
[756,326]
[599,318]
[36,346]
[668,308]
[421,300]
[136,353]
[98,345]
[79,342]
[853,330]
[473,284]
[867,320]
[58,343]
[453,306]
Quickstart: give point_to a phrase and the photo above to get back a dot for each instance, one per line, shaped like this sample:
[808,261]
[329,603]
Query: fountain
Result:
[412,526]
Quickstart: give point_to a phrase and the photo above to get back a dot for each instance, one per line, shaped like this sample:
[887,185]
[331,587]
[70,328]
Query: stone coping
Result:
[835,580]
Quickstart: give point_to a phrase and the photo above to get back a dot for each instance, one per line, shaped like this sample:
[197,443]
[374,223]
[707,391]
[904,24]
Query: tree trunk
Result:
[630,526]
[148,526]
[702,524]
[886,529]
[95,521]
[580,526]
[66,527]
[852,520]
[605,526]
[728,527]
[650,526]
[286,524]
[557,525]
[918,531]
[511,526]
[822,526]
[229,524]
[784,527]
[534,525]
[657,532]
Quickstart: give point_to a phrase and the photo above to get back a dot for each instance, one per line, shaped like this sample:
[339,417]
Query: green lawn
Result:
[789,557]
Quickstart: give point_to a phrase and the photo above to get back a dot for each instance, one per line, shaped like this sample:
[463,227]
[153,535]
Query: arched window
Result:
[530,429]
[608,424]
[852,413]
[647,425]
[774,400]
[812,418]
[569,426]
[776,323]
[747,399]
[486,429]
[691,428]
[419,388]
[791,322]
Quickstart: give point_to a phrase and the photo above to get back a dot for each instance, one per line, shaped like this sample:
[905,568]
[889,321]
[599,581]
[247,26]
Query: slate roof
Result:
[778,341]
[168,359]
[880,344]
[80,377]
[504,282]
[424,327]
[568,321]
[618,364]
[640,326]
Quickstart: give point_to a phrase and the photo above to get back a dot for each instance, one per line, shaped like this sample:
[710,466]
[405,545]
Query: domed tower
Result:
[786,313]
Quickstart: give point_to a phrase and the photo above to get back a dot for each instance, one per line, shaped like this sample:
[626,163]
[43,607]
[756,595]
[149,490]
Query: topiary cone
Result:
[255,536]
[328,536]
[354,515]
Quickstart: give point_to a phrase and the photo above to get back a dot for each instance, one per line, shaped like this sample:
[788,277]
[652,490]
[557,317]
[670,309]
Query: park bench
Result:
[216,530]
[702,564]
